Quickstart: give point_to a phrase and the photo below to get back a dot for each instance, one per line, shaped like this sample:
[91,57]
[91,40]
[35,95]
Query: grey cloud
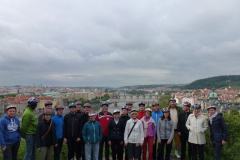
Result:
[117,43]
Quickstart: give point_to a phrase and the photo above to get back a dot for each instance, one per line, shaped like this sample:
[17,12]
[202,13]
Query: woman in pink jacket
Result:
[149,134]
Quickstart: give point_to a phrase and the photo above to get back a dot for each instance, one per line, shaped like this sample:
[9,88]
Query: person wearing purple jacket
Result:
[149,128]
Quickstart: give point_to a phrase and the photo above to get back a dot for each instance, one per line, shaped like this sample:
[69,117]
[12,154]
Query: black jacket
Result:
[84,118]
[44,140]
[181,126]
[218,129]
[116,131]
[124,119]
[72,126]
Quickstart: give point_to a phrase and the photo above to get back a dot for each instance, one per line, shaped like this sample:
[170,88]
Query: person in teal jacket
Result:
[29,128]
[92,135]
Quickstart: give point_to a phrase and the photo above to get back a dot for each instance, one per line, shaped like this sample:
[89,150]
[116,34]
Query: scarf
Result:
[212,116]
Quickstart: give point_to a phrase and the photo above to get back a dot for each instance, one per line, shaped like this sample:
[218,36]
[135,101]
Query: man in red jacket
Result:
[104,117]
[141,112]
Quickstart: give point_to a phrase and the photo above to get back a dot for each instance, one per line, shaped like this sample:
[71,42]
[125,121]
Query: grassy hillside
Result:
[215,82]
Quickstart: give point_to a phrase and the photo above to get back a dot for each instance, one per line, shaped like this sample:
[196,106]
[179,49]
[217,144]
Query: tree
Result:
[163,100]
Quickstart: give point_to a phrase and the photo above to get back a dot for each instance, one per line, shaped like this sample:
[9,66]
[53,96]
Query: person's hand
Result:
[65,140]
[223,142]
[153,141]
[168,142]
[3,148]
[121,142]
[159,140]
[179,133]
[109,142]
[39,149]
[125,144]
[55,145]
[78,140]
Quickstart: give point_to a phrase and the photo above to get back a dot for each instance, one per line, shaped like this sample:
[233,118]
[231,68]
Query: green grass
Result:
[21,152]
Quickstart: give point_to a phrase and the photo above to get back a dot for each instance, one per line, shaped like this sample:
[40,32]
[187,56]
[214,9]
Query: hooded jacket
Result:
[9,130]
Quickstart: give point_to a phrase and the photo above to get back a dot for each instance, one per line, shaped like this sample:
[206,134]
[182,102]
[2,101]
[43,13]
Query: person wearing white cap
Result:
[10,134]
[116,137]
[134,136]
[218,131]
[149,128]
[92,135]
[197,126]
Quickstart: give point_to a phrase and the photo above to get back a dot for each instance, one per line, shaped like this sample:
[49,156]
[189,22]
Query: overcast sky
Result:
[117,43]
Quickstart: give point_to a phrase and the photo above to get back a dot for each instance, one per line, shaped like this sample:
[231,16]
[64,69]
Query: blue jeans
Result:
[11,151]
[91,151]
[30,147]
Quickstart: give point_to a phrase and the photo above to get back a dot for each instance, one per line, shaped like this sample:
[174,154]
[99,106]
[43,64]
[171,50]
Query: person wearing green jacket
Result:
[92,135]
[29,128]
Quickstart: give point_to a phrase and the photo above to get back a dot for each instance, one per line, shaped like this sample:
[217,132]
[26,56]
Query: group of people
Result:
[146,133]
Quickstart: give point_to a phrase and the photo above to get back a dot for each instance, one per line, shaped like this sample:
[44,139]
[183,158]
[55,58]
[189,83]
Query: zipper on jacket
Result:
[73,125]
[165,130]
[94,134]
[196,129]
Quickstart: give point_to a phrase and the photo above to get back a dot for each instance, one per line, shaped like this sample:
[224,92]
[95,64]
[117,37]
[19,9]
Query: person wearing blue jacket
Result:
[10,134]
[156,115]
[218,131]
[92,135]
[58,121]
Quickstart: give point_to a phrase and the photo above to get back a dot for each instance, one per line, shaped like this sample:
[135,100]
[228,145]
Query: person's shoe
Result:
[177,154]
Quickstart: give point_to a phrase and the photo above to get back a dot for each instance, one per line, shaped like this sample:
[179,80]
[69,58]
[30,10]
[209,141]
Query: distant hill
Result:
[150,86]
[215,82]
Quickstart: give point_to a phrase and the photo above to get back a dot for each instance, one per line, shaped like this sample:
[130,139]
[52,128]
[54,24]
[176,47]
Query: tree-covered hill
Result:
[215,82]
